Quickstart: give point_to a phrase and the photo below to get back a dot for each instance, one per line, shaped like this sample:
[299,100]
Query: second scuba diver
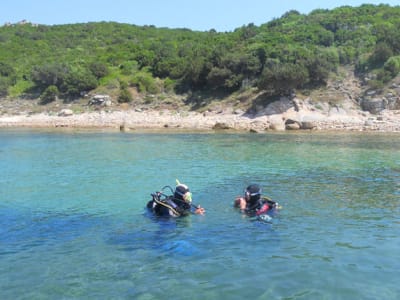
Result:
[176,205]
[253,203]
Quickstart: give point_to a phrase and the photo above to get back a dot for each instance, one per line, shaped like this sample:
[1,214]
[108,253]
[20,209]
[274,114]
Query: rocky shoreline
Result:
[294,115]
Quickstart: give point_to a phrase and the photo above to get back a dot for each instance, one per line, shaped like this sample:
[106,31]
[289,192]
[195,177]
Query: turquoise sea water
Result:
[73,223]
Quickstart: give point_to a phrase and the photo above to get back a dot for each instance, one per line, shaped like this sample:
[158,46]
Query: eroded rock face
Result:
[376,104]
[393,101]
[277,107]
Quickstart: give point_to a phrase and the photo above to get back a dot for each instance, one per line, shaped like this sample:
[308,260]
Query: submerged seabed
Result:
[73,224]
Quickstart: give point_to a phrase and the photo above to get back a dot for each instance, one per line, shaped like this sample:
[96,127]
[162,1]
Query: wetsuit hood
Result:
[253,193]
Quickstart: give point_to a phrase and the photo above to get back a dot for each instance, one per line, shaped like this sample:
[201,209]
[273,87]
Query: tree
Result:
[282,78]
[98,69]
[49,74]
[324,61]
[218,77]
[381,54]
[78,80]
[73,57]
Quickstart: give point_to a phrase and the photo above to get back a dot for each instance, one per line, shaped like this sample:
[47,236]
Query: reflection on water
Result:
[73,222]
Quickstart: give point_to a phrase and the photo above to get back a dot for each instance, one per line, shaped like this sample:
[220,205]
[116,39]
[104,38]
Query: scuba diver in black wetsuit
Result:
[176,205]
[253,203]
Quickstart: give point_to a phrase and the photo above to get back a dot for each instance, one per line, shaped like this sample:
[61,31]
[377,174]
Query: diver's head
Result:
[252,193]
[182,192]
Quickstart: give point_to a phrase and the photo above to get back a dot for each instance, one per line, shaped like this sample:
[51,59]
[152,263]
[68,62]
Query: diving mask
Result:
[188,197]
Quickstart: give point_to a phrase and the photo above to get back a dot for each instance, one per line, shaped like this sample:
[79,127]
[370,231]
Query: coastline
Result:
[126,120]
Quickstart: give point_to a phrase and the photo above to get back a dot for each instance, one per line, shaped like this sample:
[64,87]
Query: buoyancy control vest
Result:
[168,206]
[260,206]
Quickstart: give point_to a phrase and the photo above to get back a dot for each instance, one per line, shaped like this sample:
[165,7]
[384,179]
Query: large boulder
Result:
[308,125]
[221,126]
[276,123]
[374,105]
[65,112]
[101,100]
[292,124]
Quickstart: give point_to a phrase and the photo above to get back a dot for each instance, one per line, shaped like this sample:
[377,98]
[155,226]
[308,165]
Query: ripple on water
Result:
[72,222]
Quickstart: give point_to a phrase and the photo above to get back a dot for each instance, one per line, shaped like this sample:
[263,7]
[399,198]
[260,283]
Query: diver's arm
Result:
[241,203]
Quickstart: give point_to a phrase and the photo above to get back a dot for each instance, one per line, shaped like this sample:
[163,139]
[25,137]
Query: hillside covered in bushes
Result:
[290,53]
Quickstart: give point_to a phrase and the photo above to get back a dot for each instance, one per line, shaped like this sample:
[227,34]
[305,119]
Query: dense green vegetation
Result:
[294,51]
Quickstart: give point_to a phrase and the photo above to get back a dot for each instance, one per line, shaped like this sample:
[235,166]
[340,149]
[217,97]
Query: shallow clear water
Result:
[73,224]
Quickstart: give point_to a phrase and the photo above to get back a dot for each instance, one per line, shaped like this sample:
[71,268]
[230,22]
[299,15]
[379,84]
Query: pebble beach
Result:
[386,121]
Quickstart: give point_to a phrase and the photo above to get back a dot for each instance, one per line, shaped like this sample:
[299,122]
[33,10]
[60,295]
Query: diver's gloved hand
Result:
[200,210]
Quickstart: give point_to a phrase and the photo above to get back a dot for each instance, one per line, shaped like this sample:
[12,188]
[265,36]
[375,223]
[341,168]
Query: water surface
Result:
[73,224]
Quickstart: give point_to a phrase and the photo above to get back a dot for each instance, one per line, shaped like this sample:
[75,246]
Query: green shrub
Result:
[362,64]
[375,84]
[129,67]
[123,84]
[50,94]
[392,65]
[145,83]
[384,75]
[4,84]
[124,96]
[169,84]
